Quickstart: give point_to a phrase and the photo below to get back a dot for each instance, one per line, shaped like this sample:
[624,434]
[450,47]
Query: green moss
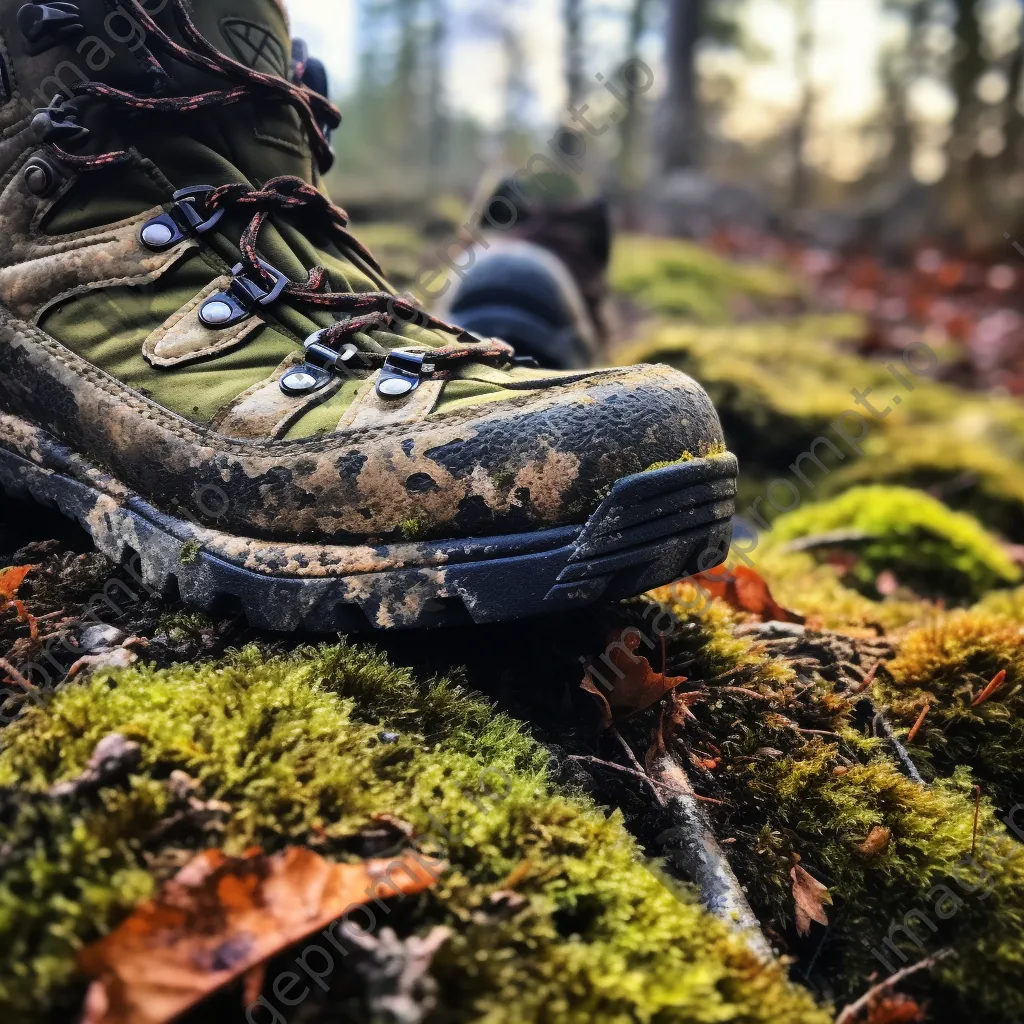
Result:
[787,789]
[931,549]
[817,591]
[685,457]
[946,665]
[971,461]
[294,748]
[782,387]
[190,552]
[410,529]
[676,277]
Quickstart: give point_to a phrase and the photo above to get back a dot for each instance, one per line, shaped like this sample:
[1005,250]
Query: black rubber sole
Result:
[651,529]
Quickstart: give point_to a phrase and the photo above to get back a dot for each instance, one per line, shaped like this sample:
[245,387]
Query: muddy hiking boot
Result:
[538,276]
[201,365]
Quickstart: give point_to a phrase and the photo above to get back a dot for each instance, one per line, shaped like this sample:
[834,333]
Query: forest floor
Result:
[796,798]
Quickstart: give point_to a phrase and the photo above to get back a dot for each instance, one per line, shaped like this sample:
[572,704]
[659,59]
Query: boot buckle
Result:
[321,365]
[243,296]
[183,220]
[402,373]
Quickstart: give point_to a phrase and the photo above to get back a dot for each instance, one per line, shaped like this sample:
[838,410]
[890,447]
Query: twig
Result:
[882,726]
[703,860]
[993,687]
[977,808]
[826,540]
[747,693]
[16,677]
[850,1013]
[915,728]
[636,764]
[866,681]
[640,775]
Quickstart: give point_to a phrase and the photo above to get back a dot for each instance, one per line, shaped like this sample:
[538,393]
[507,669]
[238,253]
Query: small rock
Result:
[100,639]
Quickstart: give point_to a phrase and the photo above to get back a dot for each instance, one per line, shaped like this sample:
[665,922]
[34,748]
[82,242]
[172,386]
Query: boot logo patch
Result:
[255,46]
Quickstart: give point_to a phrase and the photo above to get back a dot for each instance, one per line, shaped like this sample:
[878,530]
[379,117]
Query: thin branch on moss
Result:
[635,763]
[850,1013]
[916,727]
[993,687]
[16,677]
[866,682]
[703,859]
[653,783]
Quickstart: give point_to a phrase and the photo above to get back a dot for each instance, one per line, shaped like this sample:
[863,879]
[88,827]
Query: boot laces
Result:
[364,311]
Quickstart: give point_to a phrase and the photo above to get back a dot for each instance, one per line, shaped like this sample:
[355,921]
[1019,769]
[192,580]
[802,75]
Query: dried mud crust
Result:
[651,528]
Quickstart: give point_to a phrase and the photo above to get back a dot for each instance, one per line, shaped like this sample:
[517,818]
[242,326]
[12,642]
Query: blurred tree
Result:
[680,127]
[574,47]
[803,56]
[968,66]
[437,123]
[901,67]
[628,173]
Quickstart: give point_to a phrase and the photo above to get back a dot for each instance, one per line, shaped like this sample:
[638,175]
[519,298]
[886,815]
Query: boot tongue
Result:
[253,32]
[261,139]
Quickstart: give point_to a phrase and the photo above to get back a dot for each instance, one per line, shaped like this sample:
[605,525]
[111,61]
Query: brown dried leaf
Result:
[220,918]
[630,684]
[746,591]
[809,897]
[876,843]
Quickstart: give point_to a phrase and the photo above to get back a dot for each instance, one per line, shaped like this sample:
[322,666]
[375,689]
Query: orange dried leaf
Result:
[895,1010]
[628,683]
[809,898]
[745,590]
[221,918]
[11,580]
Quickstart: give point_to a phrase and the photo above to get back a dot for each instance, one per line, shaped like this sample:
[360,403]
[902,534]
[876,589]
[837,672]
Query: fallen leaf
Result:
[876,843]
[629,683]
[809,897]
[895,1010]
[11,580]
[745,590]
[220,918]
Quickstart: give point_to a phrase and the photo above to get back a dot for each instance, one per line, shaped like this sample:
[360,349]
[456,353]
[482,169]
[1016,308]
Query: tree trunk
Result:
[628,172]
[681,123]
[437,120]
[965,184]
[800,189]
[574,51]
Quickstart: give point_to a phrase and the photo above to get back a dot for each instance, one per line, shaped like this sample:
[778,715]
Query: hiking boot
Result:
[201,365]
[523,294]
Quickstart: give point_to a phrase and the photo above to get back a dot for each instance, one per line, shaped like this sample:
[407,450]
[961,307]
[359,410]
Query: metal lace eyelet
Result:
[239,302]
[304,380]
[402,373]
